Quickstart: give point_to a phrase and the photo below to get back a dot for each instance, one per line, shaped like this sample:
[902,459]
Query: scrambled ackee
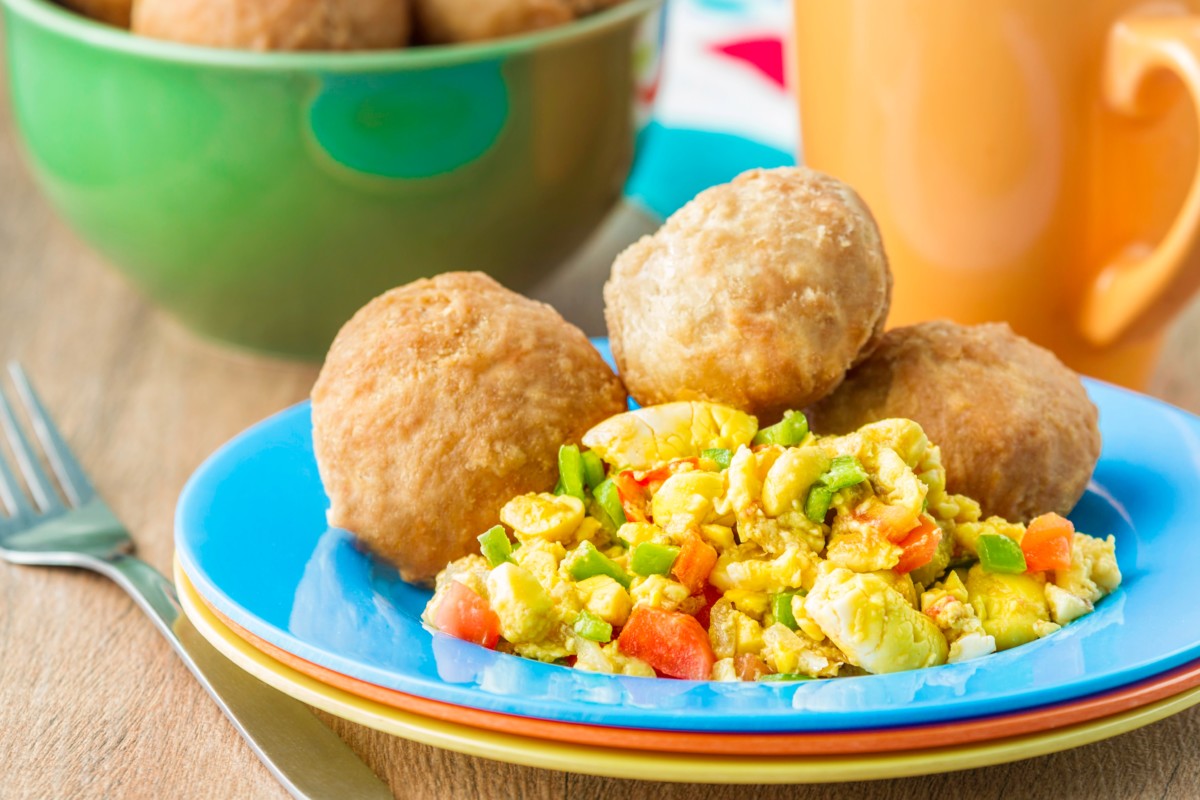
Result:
[688,543]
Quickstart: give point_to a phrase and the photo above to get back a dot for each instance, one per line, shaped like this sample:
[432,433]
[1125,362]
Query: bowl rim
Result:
[74,25]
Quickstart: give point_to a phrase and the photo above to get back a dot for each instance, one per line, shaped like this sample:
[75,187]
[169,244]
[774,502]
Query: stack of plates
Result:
[298,605]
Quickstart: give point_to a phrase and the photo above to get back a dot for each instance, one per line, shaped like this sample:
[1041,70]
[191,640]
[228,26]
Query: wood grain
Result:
[94,704]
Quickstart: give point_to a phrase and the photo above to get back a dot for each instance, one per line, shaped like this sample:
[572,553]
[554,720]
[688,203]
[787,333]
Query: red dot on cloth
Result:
[765,55]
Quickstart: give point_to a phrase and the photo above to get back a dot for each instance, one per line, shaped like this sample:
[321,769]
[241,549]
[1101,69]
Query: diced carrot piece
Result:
[893,522]
[695,561]
[674,644]
[919,546]
[465,615]
[1047,543]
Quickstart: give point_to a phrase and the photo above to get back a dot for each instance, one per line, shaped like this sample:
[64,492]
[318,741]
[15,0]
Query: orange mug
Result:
[1027,160]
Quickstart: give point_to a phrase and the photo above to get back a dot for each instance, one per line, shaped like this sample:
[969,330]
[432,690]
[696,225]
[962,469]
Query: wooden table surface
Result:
[93,703]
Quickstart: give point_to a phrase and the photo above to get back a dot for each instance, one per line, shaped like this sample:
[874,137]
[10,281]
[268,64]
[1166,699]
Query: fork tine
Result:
[12,499]
[71,476]
[35,477]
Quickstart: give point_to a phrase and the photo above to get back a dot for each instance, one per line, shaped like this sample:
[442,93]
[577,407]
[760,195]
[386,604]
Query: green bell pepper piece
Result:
[788,431]
[719,455]
[608,498]
[816,506]
[593,468]
[649,558]
[588,562]
[843,472]
[999,553]
[781,609]
[590,626]
[570,472]
[781,677]
[495,546]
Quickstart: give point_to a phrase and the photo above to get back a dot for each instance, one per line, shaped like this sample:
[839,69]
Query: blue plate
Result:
[252,536]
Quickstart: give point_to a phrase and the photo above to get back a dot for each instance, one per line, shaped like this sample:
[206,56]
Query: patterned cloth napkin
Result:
[722,104]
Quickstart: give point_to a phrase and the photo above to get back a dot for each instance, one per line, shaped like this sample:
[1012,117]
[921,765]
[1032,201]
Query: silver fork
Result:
[40,529]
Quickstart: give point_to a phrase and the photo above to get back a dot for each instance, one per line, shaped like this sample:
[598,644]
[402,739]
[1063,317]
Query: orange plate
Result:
[878,740]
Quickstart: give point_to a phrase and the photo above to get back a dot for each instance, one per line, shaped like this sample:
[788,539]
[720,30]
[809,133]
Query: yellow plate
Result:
[656,766]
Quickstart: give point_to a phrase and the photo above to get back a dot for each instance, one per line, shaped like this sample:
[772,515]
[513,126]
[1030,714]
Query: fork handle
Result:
[308,758]
[150,589]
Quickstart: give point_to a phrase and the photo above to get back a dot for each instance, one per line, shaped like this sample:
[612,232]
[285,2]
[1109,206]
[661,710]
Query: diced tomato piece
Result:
[711,595]
[695,561]
[633,496]
[1047,543]
[749,667]
[674,644]
[465,615]
[919,546]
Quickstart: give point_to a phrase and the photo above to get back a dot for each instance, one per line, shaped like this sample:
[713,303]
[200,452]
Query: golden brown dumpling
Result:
[440,401]
[446,21]
[758,294]
[1016,428]
[277,24]
[114,12]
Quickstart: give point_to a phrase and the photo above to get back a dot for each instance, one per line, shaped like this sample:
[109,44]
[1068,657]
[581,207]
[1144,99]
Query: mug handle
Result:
[1130,286]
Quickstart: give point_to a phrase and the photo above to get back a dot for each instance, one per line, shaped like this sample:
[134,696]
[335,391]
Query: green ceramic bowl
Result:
[261,198]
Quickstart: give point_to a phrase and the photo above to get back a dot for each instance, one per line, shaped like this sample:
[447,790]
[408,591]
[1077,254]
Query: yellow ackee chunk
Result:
[905,467]
[543,516]
[953,586]
[860,550]
[658,591]
[541,558]
[635,533]
[1093,572]
[787,651]
[542,651]
[749,635]
[1065,606]
[873,624]
[903,436]
[790,477]
[956,508]
[898,486]
[653,435]
[588,531]
[724,670]
[754,604]
[776,534]
[525,609]
[804,623]
[605,598]
[1012,608]
[947,605]
[744,477]
[744,567]
[685,500]
[719,536]
[591,657]
[732,633]
[901,583]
